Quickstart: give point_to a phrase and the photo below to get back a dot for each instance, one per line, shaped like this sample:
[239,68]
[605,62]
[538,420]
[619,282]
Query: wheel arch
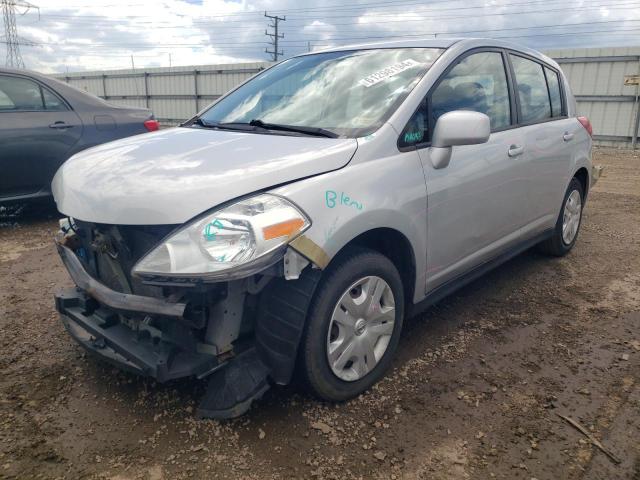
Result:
[394,245]
[284,304]
[583,177]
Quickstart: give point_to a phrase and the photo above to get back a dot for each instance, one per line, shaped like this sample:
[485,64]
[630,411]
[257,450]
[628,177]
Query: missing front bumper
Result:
[99,332]
[233,386]
[157,338]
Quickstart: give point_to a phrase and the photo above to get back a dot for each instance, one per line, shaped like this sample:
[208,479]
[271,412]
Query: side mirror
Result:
[460,127]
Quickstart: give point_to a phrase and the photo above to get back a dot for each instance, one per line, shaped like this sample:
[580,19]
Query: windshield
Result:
[349,93]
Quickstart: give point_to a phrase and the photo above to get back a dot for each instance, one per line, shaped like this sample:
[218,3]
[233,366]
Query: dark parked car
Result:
[43,122]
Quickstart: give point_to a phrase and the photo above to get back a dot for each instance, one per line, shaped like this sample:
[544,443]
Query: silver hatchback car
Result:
[290,227]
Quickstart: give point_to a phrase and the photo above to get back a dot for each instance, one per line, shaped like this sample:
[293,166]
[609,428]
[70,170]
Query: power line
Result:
[314,16]
[373,20]
[303,41]
[359,6]
[462,32]
[275,36]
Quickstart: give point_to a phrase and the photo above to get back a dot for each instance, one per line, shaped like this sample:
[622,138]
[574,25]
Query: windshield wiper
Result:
[253,124]
[203,123]
[223,126]
[316,131]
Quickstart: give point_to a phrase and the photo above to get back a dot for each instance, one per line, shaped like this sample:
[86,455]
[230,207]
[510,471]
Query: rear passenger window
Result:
[478,82]
[554,92]
[19,94]
[5,102]
[532,90]
[52,102]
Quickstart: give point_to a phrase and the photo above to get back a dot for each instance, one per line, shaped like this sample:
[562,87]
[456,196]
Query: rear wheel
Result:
[353,327]
[568,223]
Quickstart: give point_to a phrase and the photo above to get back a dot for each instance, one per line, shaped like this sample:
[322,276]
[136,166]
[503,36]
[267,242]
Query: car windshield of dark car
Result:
[349,93]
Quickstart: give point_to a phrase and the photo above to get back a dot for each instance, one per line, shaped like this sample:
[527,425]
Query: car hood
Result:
[170,176]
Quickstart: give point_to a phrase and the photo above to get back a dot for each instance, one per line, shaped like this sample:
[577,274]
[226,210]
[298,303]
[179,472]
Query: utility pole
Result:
[10,37]
[274,36]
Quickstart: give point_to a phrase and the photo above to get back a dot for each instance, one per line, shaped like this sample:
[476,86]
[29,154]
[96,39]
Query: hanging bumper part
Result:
[118,301]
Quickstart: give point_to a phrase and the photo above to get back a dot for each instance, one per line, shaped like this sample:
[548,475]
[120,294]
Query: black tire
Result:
[313,365]
[555,245]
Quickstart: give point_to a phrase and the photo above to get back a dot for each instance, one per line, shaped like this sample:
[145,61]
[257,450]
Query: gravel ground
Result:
[476,390]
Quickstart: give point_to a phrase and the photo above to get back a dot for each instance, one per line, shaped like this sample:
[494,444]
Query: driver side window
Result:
[478,82]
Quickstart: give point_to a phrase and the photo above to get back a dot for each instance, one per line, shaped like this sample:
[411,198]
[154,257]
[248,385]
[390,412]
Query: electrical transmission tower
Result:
[274,36]
[10,37]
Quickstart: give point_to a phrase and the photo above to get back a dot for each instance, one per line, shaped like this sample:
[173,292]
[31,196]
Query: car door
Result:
[37,131]
[475,205]
[548,138]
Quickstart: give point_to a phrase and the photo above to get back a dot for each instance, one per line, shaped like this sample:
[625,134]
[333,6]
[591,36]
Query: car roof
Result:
[26,73]
[461,43]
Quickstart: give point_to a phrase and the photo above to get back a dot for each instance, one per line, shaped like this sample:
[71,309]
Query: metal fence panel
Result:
[596,76]
[174,94]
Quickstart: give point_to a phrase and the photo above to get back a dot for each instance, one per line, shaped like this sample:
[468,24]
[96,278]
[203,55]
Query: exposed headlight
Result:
[235,241]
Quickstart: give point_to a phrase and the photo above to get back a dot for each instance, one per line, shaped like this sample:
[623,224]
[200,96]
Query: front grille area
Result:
[109,252]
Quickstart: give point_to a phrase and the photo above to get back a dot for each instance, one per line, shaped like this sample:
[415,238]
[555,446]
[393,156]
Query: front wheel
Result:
[568,224]
[353,327]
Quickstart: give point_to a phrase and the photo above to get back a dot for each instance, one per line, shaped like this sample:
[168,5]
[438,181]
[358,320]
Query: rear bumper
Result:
[99,331]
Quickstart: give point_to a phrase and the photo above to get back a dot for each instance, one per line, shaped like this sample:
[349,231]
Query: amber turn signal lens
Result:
[283,229]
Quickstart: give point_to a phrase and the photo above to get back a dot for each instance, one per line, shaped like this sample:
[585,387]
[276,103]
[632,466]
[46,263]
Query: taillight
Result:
[587,125]
[152,125]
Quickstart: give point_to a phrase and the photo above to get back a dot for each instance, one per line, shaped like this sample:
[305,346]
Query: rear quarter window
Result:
[52,102]
[555,94]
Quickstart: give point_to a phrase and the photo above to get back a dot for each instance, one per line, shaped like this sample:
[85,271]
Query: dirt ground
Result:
[476,390]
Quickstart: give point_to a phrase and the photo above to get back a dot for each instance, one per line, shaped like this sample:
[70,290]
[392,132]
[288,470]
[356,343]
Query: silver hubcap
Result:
[361,327]
[571,217]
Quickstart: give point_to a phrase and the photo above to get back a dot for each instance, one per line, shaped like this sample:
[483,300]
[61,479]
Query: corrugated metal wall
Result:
[596,76]
[174,94]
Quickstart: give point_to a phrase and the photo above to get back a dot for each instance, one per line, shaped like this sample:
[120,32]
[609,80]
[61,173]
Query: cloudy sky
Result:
[74,35]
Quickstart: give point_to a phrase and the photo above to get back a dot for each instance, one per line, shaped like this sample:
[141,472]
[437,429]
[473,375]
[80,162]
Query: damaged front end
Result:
[168,326]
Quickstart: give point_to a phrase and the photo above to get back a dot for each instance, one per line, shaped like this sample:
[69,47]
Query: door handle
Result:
[567,136]
[60,125]
[515,150]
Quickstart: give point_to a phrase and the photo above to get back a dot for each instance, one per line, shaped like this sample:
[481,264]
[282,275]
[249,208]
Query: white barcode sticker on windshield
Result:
[387,72]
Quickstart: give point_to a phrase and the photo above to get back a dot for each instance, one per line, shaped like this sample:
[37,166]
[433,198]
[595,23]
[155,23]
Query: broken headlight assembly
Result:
[235,241]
